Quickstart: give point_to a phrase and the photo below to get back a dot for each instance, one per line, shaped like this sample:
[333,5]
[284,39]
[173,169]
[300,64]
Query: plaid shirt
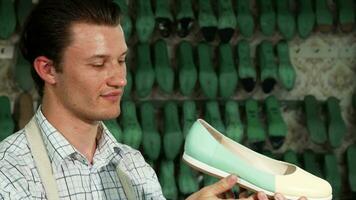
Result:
[76,178]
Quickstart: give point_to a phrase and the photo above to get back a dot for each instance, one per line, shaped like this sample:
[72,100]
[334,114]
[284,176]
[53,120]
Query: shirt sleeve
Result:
[13,184]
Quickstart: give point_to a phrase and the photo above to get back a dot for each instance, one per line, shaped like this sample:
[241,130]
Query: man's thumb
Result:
[223,185]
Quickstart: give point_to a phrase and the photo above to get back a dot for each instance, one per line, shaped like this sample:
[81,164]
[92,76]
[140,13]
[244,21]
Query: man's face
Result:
[93,72]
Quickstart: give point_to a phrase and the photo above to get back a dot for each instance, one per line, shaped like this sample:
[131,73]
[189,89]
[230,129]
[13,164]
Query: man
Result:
[78,51]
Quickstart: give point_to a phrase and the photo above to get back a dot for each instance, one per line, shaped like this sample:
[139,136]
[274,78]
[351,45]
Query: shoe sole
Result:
[200,166]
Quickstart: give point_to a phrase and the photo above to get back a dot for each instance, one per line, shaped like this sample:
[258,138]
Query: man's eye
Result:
[97,64]
[122,62]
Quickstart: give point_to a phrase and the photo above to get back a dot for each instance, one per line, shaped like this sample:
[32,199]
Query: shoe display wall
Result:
[276,76]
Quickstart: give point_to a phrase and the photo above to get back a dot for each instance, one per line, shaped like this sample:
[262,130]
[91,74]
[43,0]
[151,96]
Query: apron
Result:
[44,168]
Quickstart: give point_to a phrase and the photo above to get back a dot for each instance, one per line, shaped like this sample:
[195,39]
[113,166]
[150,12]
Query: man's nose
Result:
[118,76]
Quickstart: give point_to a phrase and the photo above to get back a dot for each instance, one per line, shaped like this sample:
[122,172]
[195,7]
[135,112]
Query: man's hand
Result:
[222,190]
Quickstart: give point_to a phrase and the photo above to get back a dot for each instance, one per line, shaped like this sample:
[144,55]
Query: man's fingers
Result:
[223,185]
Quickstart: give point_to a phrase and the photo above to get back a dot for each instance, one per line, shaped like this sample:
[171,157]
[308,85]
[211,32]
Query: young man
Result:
[78,52]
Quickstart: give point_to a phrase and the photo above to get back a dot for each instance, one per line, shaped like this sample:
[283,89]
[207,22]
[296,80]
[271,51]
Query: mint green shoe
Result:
[255,171]
[226,20]
[125,19]
[167,180]
[187,180]
[188,74]
[145,21]
[132,133]
[151,142]
[312,163]
[213,116]
[285,19]
[173,137]
[185,18]
[267,18]
[7,19]
[128,87]
[22,74]
[291,156]
[23,9]
[145,75]
[333,175]
[277,127]
[164,17]
[247,72]
[305,18]
[163,69]
[234,126]
[336,124]
[7,124]
[256,134]
[227,72]
[114,129]
[268,66]
[207,77]
[207,20]
[189,116]
[346,15]
[315,125]
[351,162]
[286,71]
[324,18]
[245,21]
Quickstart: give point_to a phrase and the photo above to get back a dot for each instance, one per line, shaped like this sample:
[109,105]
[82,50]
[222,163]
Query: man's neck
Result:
[80,133]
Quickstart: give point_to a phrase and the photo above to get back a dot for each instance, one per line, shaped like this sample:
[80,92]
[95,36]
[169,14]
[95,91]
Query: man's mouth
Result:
[112,95]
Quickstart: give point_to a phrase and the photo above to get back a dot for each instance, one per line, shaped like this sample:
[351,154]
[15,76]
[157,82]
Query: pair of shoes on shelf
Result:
[151,139]
[7,124]
[319,133]
[276,126]
[7,19]
[209,23]
[255,171]
[271,72]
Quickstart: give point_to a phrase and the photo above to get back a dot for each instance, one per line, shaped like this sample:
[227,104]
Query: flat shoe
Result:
[151,139]
[163,69]
[255,171]
[207,76]
[227,72]
[188,73]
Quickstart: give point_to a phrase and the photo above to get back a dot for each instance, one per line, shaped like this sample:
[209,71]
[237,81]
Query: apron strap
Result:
[42,162]
[126,184]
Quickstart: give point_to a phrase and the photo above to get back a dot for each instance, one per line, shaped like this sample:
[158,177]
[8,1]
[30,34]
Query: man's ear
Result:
[45,69]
